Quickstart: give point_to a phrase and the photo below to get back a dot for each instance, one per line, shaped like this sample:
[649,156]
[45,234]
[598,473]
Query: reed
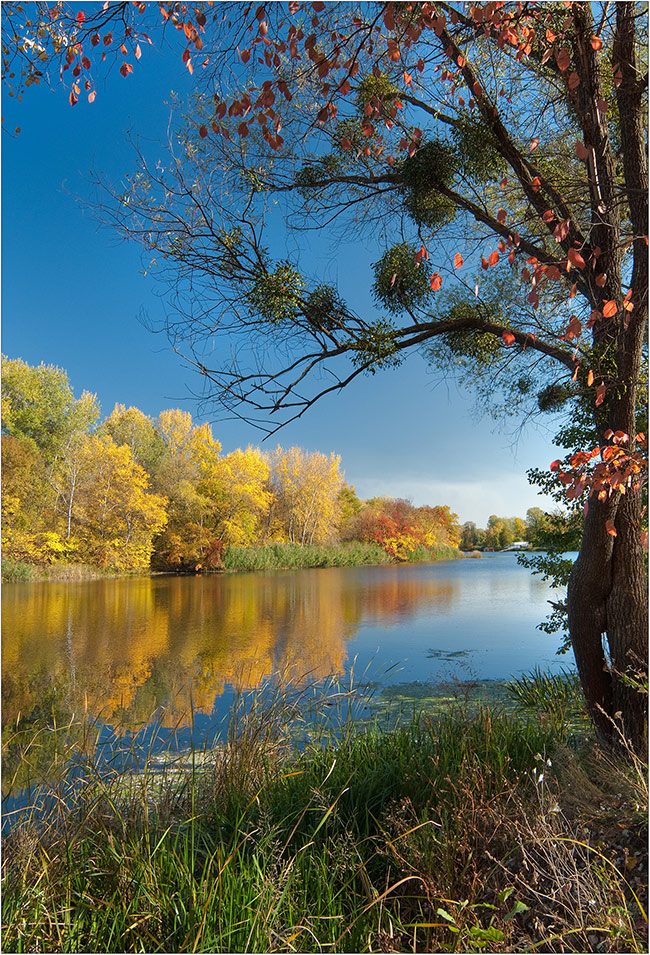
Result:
[303,830]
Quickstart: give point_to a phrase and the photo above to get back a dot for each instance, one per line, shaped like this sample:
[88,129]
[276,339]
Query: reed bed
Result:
[353,554]
[305,830]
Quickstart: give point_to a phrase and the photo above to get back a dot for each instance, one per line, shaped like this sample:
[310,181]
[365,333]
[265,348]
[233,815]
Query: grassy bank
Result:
[292,556]
[272,557]
[15,571]
[447,833]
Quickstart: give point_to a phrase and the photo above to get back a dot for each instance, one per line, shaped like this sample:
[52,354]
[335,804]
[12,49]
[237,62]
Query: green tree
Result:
[38,405]
[132,427]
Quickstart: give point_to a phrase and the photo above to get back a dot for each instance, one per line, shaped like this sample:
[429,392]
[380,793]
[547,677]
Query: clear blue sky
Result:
[72,292]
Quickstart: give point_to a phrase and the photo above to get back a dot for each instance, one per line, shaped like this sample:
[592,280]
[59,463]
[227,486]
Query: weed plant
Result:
[306,831]
[353,554]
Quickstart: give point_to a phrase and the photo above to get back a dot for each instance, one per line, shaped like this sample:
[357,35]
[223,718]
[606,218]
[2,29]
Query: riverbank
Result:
[492,831]
[241,559]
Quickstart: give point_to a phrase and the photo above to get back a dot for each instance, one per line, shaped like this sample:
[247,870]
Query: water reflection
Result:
[118,649]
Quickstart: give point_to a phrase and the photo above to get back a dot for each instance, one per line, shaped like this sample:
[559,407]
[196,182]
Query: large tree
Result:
[497,151]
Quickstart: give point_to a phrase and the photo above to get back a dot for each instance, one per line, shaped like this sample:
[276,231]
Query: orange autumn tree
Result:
[498,152]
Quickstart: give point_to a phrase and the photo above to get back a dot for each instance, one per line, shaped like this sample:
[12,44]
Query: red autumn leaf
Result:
[203,131]
[590,378]
[576,259]
[94,39]
[91,97]
[458,260]
[508,338]
[574,80]
[73,99]
[242,129]
[81,16]
[602,105]
[125,69]
[436,281]
[563,59]
[501,216]
[581,150]
[596,43]
[600,394]
[548,216]
[609,525]
[601,279]
[535,183]
[534,143]
[407,78]
[610,308]
[493,258]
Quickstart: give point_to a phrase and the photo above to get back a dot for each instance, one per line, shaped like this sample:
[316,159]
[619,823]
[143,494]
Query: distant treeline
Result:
[503,531]
[131,492]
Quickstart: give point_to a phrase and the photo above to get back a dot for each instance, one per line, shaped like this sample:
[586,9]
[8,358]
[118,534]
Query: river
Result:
[122,649]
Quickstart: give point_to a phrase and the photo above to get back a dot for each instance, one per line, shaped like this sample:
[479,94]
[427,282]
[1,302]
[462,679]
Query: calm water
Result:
[120,649]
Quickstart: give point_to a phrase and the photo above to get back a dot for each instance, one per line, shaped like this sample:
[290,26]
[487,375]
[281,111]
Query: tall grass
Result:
[303,831]
[290,556]
[353,554]
[15,571]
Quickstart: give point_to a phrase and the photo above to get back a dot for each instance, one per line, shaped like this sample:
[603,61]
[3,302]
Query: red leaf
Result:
[548,216]
[590,378]
[563,59]
[94,39]
[609,525]
[600,394]
[458,260]
[581,150]
[81,16]
[508,338]
[576,259]
[574,80]
[73,99]
[137,51]
[493,258]
[601,279]
[596,43]
[91,96]
[535,183]
[125,69]
[534,143]
[610,308]
[242,129]
[501,216]
[203,131]
[436,281]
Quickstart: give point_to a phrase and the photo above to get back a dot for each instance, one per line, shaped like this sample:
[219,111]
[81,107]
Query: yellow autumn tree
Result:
[236,487]
[306,488]
[187,449]
[117,516]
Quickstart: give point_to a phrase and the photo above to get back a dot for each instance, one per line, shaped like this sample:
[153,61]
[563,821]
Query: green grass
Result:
[353,554]
[419,838]
[290,556]
[15,571]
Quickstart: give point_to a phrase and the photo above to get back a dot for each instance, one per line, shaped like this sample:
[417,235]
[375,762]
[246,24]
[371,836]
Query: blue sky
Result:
[72,292]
